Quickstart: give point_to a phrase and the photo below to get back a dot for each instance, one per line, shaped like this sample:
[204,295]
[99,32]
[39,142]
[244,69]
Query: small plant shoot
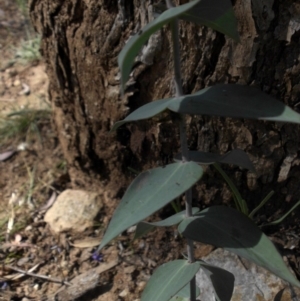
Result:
[151,190]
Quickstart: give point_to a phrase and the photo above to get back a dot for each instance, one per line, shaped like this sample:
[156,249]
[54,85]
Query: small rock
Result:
[64,263]
[22,146]
[73,210]
[22,261]
[65,273]
[142,245]
[16,83]
[131,229]
[251,281]
[36,287]
[129,270]
[28,228]
[25,90]
[124,293]
[141,285]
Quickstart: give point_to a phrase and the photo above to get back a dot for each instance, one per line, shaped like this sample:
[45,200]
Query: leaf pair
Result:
[223,227]
[171,281]
[236,157]
[149,192]
[225,100]
[220,226]
[216,14]
[229,229]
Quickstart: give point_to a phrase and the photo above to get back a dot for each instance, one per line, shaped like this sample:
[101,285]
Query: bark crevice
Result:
[80,44]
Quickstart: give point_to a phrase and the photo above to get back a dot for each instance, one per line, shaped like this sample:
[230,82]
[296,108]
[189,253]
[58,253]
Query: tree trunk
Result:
[80,44]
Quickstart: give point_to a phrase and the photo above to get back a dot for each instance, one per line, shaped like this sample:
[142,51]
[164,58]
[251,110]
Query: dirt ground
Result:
[28,179]
[36,170]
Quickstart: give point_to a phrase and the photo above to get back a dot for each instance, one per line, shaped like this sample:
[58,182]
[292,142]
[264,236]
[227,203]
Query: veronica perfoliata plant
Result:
[153,189]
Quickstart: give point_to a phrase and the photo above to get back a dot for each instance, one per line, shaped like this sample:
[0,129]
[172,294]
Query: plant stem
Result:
[183,139]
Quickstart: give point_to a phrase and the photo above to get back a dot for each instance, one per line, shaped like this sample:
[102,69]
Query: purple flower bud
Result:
[98,257]
[3,285]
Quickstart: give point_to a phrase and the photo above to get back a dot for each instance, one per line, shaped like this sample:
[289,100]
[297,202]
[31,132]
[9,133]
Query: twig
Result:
[29,273]
[49,203]
[18,245]
[83,283]
[49,186]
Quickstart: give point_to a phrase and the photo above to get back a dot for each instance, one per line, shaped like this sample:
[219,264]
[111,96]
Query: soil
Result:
[27,181]
[29,178]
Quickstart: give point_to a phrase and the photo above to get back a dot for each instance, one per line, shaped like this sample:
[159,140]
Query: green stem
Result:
[263,202]
[183,139]
[240,203]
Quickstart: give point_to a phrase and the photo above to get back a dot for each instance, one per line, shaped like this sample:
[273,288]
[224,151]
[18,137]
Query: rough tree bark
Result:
[80,43]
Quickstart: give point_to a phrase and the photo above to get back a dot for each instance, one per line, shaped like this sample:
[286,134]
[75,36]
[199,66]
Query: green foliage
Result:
[278,221]
[236,157]
[219,19]
[233,231]
[169,279]
[214,14]
[133,46]
[225,100]
[23,7]
[241,204]
[29,50]
[184,294]
[151,190]
[20,124]
[143,228]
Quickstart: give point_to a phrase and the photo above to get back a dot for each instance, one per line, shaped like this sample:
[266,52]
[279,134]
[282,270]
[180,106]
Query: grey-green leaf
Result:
[222,281]
[149,110]
[169,279]
[133,46]
[236,101]
[149,192]
[227,228]
[143,228]
[184,294]
[236,157]
[214,14]
[225,100]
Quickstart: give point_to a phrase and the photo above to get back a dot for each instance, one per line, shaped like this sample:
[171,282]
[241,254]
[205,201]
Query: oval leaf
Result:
[227,228]
[214,14]
[143,228]
[184,294]
[149,192]
[169,279]
[236,157]
[133,46]
[144,112]
[236,101]
[221,280]
[225,100]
